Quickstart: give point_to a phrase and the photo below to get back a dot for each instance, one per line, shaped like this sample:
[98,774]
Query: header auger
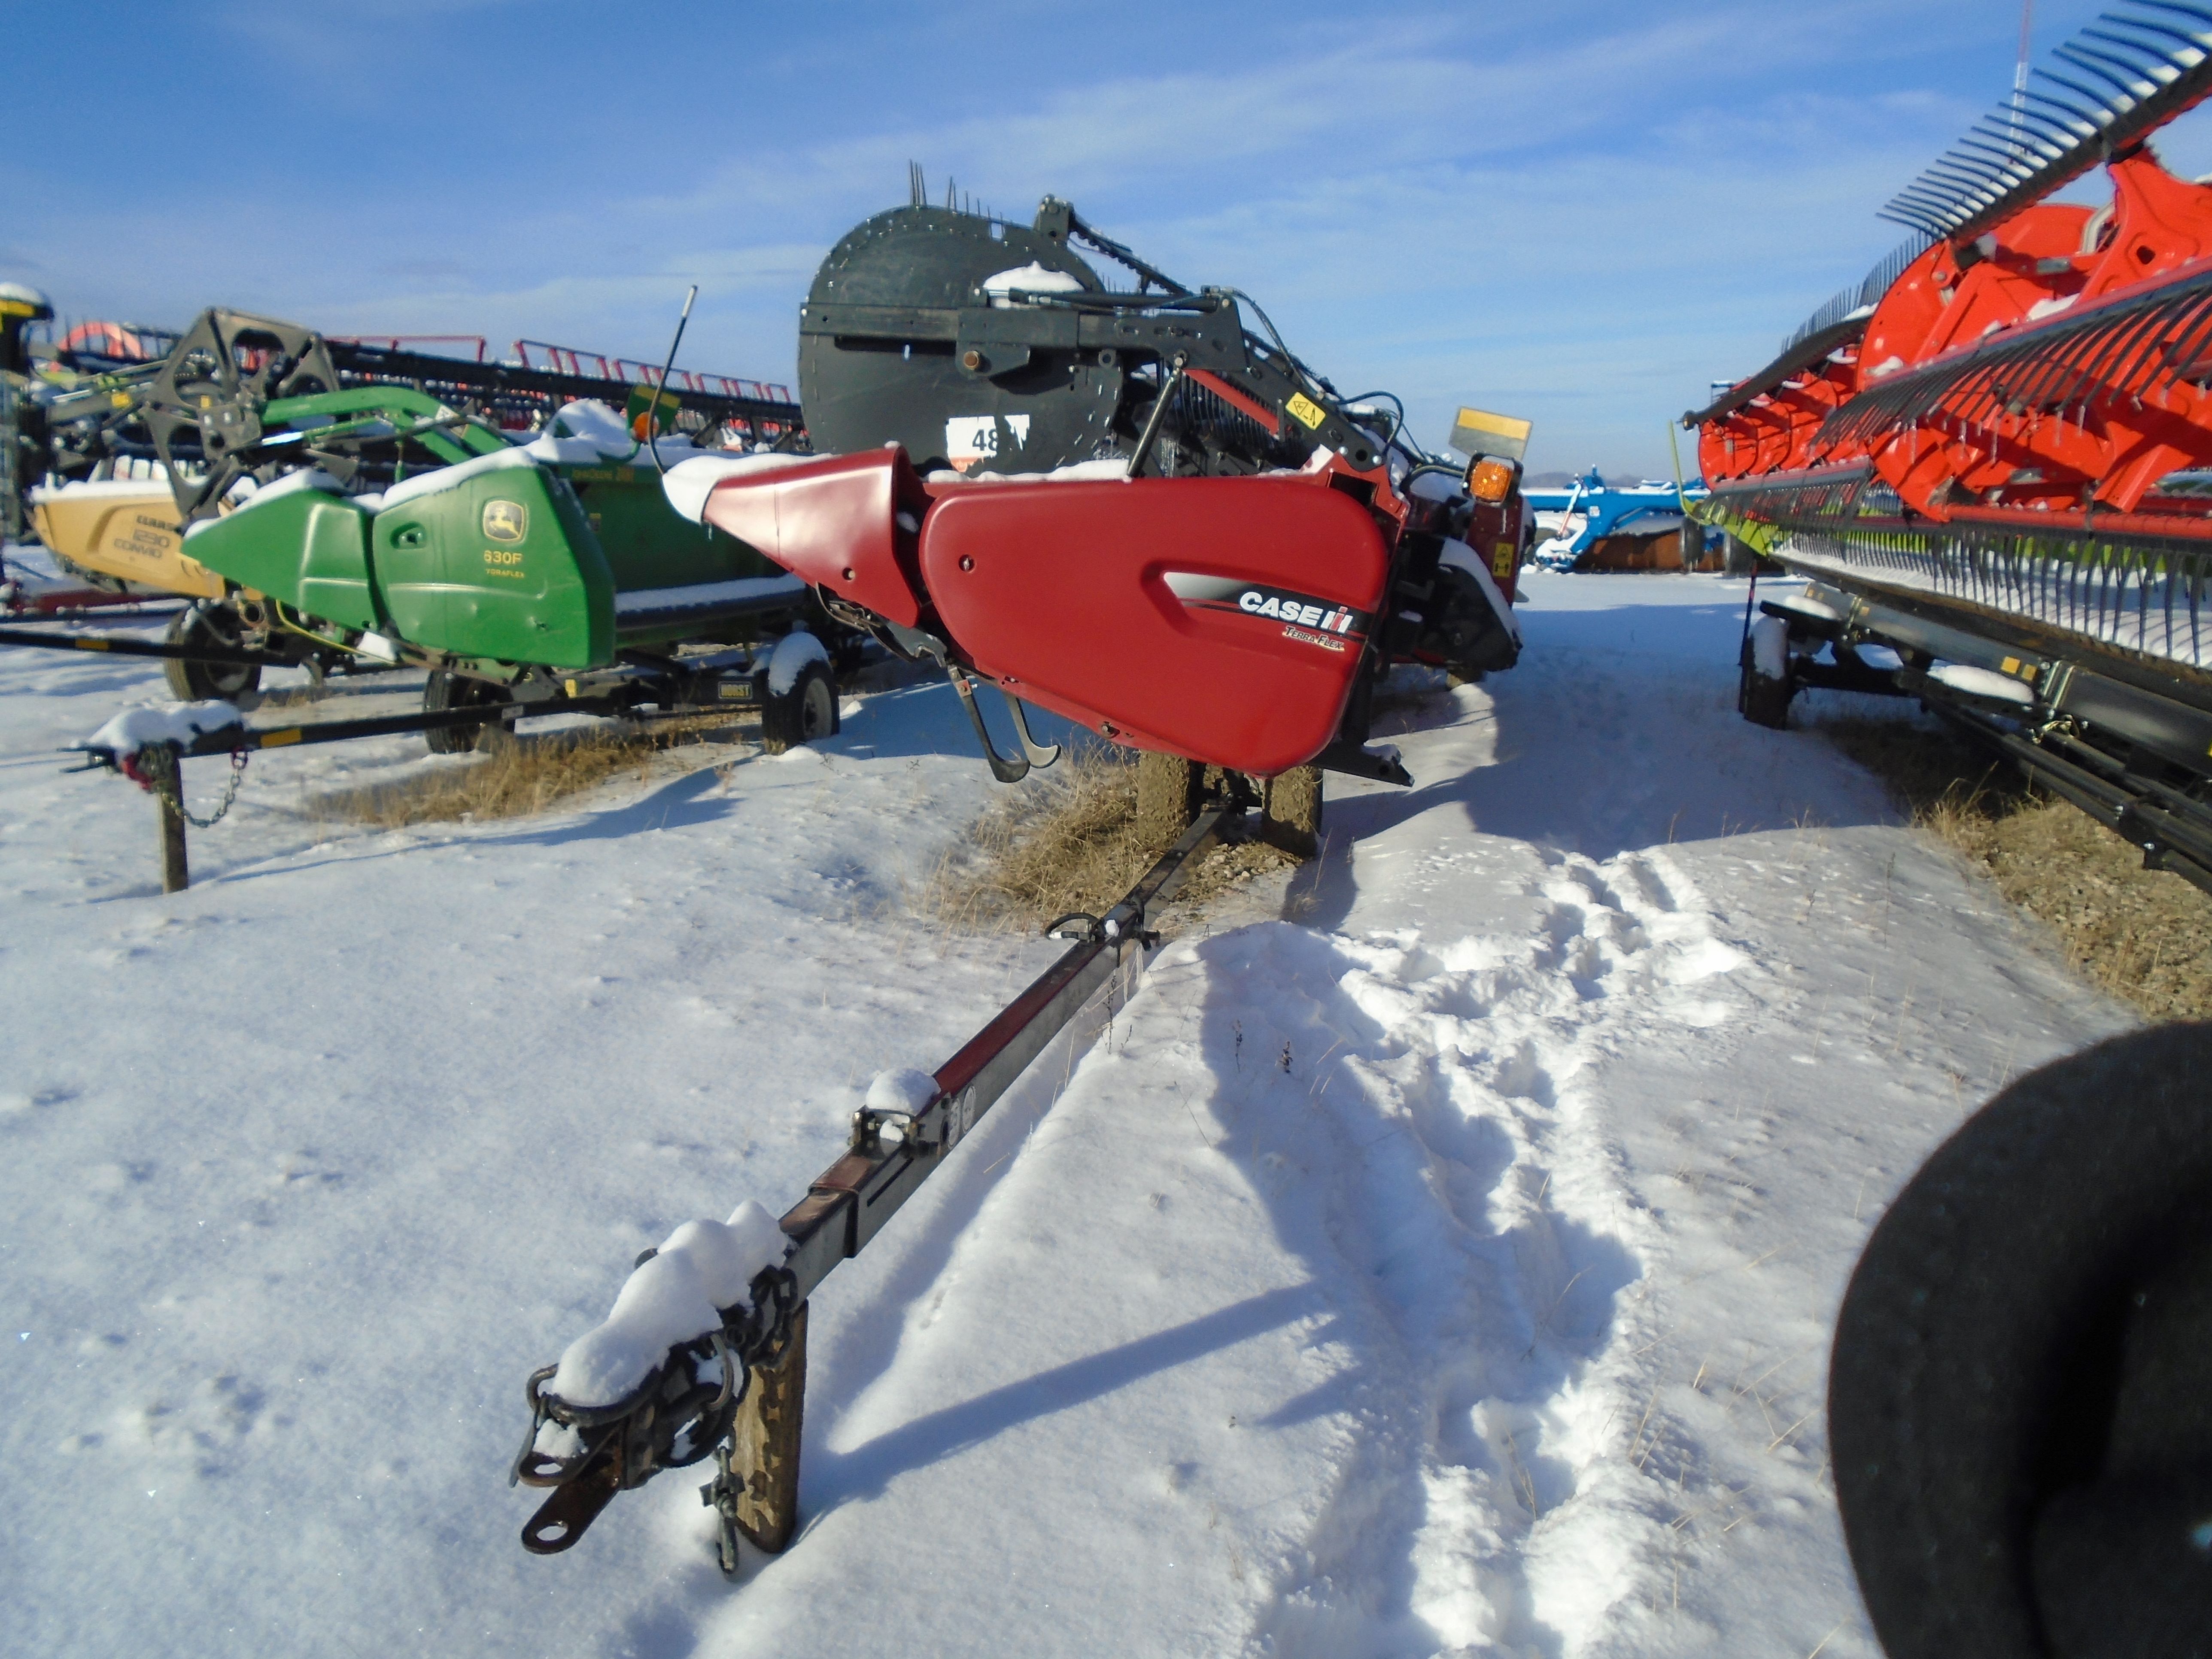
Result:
[1991,455]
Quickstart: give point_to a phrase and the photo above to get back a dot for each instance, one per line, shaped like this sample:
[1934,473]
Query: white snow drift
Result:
[1438,1255]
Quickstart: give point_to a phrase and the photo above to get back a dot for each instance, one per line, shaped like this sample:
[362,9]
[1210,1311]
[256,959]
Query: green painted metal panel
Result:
[648,543]
[334,574]
[499,563]
[400,406]
[305,547]
[431,571]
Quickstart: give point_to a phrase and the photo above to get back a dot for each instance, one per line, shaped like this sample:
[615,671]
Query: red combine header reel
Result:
[1117,503]
[1991,457]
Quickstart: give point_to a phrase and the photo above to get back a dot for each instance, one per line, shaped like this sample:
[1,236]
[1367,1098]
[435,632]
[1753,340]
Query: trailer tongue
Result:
[732,1376]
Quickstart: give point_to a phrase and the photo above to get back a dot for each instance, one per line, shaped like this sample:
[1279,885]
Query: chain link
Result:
[159,765]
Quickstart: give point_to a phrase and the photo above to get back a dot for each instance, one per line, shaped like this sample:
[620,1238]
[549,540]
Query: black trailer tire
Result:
[806,714]
[441,691]
[2017,1408]
[1766,701]
[1763,699]
[210,682]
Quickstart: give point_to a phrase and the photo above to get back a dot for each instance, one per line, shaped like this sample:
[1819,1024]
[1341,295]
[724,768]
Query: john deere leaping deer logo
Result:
[506,521]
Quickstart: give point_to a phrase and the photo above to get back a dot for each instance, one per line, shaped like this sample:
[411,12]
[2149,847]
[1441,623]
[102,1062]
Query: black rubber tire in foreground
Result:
[209,682]
[806,712]
[2020,1404]
[441,691]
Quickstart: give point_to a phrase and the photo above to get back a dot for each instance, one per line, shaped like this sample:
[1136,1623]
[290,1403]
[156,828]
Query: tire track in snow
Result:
[1303,1286]
[1474,1192]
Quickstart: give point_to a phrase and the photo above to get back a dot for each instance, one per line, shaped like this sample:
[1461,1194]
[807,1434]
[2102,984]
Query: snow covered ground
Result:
[1438,1256]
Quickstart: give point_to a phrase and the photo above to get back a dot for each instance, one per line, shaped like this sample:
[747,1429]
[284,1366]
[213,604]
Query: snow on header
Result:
[675,1296]
[90,488]
[452,477]
[688,484]
[1032,278]
[1113,469]
[588,433]
[292,483]
[584,432]
[160,722]
[901,1090]
[1981,683]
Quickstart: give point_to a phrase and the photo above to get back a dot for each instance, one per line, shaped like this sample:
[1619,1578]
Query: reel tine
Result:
[2197,12]
[2088,61]
[2112,84]
[2101,113]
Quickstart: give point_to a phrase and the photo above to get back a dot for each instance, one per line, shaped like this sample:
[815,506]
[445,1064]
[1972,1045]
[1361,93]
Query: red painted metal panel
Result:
[1061,592]
[835,522]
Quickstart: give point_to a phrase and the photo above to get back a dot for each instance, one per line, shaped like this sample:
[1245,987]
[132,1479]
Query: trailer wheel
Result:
[441,691]
[210,682]
[1765,691]
[805,714]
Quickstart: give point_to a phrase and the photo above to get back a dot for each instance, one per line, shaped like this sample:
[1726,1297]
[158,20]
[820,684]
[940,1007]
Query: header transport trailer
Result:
[372,525]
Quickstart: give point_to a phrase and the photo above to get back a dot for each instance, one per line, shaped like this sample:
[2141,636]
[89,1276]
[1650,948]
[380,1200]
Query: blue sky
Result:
[1581,213]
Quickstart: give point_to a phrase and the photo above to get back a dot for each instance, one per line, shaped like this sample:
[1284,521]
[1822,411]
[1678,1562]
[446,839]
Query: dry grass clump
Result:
[513,776]
[1074,844]
[2145,936]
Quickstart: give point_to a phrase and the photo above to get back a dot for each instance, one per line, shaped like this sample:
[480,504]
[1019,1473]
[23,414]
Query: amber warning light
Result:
[1491,479]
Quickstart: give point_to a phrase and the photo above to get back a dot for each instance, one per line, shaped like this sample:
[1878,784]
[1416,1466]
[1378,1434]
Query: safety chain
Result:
[673,1404]
[783,1290]
[159,770]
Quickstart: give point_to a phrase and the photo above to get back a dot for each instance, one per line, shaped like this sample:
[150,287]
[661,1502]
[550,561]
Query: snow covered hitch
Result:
[704,1351]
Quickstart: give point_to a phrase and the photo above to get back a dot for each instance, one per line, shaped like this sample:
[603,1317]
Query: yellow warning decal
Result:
[2012,664]
[92,645]
[278,739]
[1478,432]
[1307,411]
[1502,560]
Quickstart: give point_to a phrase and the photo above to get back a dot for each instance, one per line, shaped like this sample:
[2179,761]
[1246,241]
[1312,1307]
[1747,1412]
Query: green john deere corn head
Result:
[377,523]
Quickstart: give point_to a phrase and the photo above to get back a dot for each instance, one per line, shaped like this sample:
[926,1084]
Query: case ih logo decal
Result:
[1312,621]
[506,521]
